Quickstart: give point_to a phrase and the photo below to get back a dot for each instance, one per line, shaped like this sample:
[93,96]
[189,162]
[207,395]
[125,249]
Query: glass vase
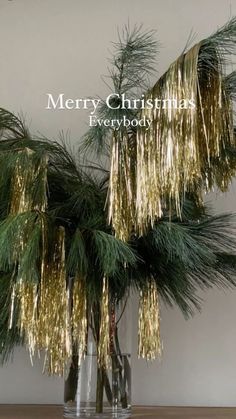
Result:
[93,391]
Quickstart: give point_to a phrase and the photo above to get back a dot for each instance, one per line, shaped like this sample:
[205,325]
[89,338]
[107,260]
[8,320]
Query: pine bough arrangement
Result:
[66,262]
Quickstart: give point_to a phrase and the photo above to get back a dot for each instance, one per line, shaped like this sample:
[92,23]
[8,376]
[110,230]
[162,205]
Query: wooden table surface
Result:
[55,412]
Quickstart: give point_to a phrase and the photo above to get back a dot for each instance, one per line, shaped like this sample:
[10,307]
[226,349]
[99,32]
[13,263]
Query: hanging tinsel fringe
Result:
[184,147]
[122,187]
[26,293]
[79,317]
[149,342]
[53,325]
[28,170]
[43,306]
[29,175]
[44,313]
[104,331]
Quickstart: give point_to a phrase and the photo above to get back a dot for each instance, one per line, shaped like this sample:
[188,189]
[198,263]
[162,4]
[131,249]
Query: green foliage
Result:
[132,63]
[182,256]
[223,41]
[9,337]
[185,256]
[111,253]
[77,258]
[12,230]
[230,85]
[133,59]
[12,127]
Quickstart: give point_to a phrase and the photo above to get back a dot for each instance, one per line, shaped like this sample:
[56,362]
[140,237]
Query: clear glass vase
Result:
[97,392]
[92,391]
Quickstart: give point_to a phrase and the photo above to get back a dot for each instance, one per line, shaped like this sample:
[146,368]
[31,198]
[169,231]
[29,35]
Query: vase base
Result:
[73,412]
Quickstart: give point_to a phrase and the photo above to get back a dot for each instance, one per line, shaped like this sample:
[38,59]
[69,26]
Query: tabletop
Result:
[56,412]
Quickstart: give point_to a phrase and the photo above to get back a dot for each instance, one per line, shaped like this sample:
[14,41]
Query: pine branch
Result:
[185,256]
[131,65]
[12,127]
[222,42]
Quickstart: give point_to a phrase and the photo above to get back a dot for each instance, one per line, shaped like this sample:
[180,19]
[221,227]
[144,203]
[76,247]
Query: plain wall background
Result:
[54,46]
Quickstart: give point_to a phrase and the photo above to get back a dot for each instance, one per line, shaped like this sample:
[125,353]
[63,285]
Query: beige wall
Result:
[61,46]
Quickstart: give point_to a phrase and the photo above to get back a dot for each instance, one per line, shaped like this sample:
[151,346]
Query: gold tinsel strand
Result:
[122,187]
[182,149]
[26,172]
[26,294]
[21,199]
[53,326]
[79,316]
[177,152]
[149,342]
[104,331]
[44,317]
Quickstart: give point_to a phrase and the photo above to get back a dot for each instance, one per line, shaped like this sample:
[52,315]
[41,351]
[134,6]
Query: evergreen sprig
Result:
[130,67]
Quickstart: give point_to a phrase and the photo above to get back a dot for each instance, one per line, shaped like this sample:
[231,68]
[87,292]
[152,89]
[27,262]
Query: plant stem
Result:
[71,382]
[99,391]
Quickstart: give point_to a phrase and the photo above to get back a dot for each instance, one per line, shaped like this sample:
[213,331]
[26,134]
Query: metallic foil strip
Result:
[185,147]
[53,325]
[167,155]
[26,174]
[12,309]
[21,199]
[104,331]
[183,151]
[149,342]
[26,293]
[44,317]
[79,321]
[121,211]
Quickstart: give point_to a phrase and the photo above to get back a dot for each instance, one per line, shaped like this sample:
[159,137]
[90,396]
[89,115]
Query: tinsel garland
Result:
[26,172]
[43,306]
[122,185]
[52,311]
[183,148]
[26,294]
[183,151]
[29,169]
[53,332]
[79,316]
[104,331]
[149,342]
